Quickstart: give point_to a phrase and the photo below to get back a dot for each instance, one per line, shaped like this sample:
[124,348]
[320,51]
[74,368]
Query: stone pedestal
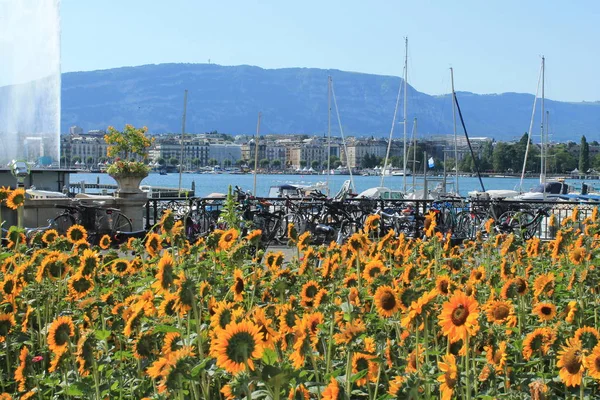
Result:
[128,185]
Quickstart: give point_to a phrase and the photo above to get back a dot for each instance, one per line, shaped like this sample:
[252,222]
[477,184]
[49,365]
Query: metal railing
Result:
[208,209]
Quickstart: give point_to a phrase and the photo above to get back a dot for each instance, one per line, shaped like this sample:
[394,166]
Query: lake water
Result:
[211,183]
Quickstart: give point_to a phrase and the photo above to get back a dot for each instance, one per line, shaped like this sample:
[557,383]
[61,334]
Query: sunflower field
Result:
[374,318]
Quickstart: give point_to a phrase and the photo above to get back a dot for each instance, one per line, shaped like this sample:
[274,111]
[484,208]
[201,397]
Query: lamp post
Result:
[20,170]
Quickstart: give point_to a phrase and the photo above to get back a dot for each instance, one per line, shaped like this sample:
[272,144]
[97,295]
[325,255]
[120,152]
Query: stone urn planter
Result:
[128,185]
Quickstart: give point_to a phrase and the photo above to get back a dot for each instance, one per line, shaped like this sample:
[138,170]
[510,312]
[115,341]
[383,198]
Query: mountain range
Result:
[294,100]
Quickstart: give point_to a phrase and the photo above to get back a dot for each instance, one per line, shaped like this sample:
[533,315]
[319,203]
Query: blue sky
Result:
[494,46]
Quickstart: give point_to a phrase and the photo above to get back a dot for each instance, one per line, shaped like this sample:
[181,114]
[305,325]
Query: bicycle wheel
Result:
[516,222]
[468,224]
[62,223]
[122,223]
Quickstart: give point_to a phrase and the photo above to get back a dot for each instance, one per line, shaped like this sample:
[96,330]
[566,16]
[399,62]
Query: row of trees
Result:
[507,157]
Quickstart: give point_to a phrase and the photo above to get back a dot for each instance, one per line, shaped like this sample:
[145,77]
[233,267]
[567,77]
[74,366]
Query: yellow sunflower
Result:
[332,391]
[386,301]
[85,353]
[449,377]
[545,311]
[238,285]
[80,286]
[165,277]
[459,317]
[228,238]
[299,393]
[364,362]
[308,293]
[538,341]
[76,234]
[88,263]
[592,363]
[153,244]
[303,241]
[22,372]
[373,269]
[49,236]
[570,362]
[237,346]
[59,334]
[104,242]
[497,357]
[16,199]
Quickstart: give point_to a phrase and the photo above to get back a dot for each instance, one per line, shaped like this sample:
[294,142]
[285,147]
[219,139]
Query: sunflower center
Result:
[239,285]
[225,318]
[597,363]
[572,361]
[388,301]
[477,275]
[450,381]
[61,335]
[444,287]
[228,237]
[5,327]
[81,285]
[546,310]
[500,312]
[56,269]
[311,291]
[459,315]
[8,286]
[374,272]
[497,357]
[362,364]
[290,318]
[520,285]
[240,347]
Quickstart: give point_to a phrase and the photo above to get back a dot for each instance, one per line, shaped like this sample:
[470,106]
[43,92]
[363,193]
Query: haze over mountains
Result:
[294,100]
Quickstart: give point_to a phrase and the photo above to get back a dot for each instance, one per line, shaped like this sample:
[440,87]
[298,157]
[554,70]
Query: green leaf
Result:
[359,375]
[102,335]
[76,389]
[270,357]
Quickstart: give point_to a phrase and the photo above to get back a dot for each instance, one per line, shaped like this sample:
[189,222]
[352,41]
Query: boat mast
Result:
[543,141]
[455,137]
[414,164]
[256,152]
[404,119]
[337,113]
[328,131]
[537,91]
[387,154]
[182,137]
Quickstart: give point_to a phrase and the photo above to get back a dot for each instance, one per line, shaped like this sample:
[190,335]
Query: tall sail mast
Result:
[256,147]
[404,119]
[328,131]
[543,141]
[455,137]
[387,154]
[182,137]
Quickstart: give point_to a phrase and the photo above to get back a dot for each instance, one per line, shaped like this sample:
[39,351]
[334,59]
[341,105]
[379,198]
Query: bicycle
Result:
[98,221]
[523,224]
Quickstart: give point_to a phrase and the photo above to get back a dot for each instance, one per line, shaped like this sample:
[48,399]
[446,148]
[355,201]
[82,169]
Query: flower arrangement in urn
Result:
[128,147]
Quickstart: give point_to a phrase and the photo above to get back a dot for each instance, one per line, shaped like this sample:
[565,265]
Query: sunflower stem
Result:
[467,368]
[348,371]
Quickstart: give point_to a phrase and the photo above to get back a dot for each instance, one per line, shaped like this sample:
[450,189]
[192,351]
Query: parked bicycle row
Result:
[329,220]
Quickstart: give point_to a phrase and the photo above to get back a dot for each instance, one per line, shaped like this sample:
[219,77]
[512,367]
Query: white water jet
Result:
[30,81]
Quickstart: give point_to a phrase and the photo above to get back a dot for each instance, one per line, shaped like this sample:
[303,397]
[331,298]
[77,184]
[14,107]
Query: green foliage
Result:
[131,141]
